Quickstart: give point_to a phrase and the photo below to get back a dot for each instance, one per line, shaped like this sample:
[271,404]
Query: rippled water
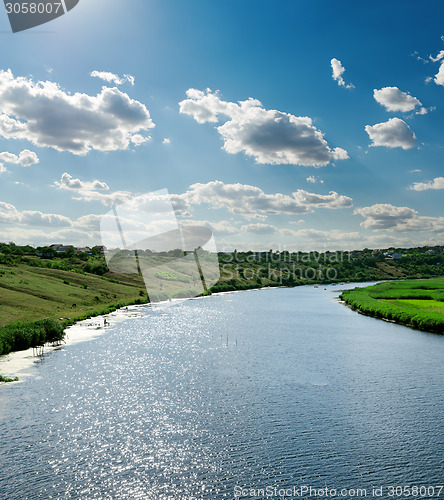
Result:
[280,387]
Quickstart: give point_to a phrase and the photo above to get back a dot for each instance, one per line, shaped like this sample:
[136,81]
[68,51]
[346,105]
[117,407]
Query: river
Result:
[212,397]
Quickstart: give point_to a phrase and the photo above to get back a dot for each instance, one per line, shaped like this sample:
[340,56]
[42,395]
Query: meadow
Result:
[415,303]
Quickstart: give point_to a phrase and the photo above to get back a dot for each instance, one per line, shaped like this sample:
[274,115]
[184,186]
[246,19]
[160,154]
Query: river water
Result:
[277,388]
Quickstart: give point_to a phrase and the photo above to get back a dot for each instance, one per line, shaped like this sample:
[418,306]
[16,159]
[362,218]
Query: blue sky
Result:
[312,160]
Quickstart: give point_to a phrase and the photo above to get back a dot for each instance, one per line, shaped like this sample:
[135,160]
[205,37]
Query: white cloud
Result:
[224,227]
[49,117]
[138,139]
[384,216]
[438,57]
[2,168]
[394,99]
[415,171]
[10,215]
[439,77]
[332,200]
[166,141]
[437,183]
[91,190]
[269,136]
[333,235]
[25,158]
[68,182]
[36,218]
[313,179]
[338,71]
[394,133]
[250,200]
[112,78]
[260,228]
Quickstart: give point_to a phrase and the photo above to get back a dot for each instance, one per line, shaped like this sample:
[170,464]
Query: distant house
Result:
[64,249]
[397,255]
[55,247]
[46,255]
[83,250]
[388,255]
[100,248]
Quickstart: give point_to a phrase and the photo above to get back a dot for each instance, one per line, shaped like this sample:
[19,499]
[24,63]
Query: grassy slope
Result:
[417,303]
[28,293]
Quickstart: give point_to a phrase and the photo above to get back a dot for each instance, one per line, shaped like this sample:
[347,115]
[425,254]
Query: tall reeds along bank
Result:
[20,335]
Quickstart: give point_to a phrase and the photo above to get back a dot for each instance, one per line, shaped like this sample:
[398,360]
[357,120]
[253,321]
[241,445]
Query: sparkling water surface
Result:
[279,388]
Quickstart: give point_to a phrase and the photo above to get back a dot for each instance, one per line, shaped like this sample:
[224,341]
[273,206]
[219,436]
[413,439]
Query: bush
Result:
[23,335]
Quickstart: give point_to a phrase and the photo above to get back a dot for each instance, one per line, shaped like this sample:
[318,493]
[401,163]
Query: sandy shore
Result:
[20,364]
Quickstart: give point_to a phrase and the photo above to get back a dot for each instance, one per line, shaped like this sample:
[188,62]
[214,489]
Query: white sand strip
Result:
[20,364]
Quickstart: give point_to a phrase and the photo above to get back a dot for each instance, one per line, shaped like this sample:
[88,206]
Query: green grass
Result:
[31,293]
[415,303]
[21,335]
[8,379]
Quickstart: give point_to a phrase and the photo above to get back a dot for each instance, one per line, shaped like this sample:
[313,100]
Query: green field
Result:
[415,303]
[31,293]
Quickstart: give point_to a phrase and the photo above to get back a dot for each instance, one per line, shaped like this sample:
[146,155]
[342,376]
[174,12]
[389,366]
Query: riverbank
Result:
[86,328]
[19,363]
[414,303]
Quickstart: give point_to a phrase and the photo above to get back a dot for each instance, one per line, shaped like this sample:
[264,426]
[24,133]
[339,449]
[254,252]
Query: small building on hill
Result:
[64,249]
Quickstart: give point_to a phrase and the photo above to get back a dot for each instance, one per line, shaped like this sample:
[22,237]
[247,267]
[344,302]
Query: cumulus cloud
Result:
[223,227]
[36,218]
[250,200]
[269,136]
[338,71]
[394,99]
[313,179]
[332,200]
[68,182]
[10,215]
[112,78]
[394,133]
[25,158]
[438,57]
[260,228]
[138,139]
[91,190]
[437,183]
[331,236]
[46,115]
[439,77]
[384,216]
[166,141]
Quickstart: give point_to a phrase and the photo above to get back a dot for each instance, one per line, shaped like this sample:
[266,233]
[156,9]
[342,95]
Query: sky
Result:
[292,125]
